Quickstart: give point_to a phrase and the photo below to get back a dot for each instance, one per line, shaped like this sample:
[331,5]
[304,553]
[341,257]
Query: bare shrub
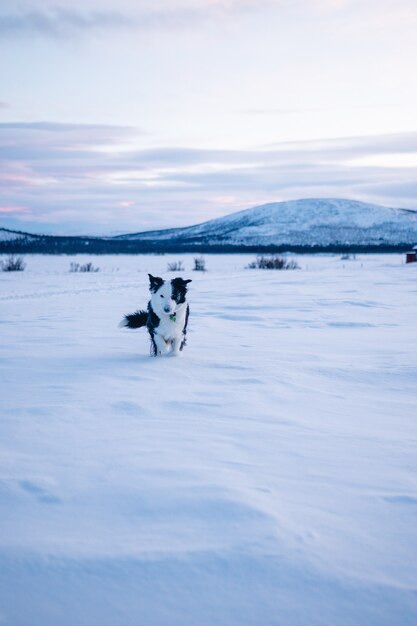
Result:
[13,264]
[273,262]
[175,266]
[199,264]
[87,267]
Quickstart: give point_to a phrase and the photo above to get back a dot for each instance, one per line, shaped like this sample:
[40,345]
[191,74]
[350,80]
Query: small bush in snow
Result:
[87,267]
[273,262]
[13,264]
[199,264]
[175,266]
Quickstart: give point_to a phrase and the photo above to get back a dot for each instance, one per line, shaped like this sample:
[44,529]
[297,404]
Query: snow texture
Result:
[12,235]
[308,222]
[266,477]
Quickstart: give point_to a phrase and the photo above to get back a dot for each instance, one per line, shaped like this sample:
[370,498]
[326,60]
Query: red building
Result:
[411,257]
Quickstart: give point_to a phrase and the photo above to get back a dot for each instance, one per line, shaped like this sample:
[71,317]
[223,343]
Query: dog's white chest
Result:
[170,326]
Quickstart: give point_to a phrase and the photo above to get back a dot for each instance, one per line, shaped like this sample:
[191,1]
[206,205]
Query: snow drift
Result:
[267,477]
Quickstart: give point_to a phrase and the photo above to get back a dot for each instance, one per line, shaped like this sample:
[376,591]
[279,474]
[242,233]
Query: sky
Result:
[127,115]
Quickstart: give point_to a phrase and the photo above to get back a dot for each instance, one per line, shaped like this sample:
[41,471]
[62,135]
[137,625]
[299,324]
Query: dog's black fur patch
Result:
[152,323]
[184,330]
[155,282]
[179,289]
[136,320]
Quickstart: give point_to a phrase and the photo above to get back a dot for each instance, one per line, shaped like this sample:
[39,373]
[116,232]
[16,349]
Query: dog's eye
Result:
[162,295]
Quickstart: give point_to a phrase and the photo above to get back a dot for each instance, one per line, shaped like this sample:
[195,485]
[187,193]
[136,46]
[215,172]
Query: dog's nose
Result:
[167,309]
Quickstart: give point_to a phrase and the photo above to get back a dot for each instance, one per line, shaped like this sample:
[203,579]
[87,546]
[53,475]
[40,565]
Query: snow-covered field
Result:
[267,477]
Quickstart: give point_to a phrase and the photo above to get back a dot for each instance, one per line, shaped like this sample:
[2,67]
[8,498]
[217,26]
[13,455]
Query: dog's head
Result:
[167,296]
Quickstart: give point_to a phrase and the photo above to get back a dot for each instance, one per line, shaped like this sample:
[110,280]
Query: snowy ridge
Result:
[309,222]
[13,235]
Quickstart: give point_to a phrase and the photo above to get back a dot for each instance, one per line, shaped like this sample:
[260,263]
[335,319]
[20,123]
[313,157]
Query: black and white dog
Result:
[167,316]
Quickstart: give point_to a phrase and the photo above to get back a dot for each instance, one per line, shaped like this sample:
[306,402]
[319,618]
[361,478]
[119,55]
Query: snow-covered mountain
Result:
[309,222]
[296,224]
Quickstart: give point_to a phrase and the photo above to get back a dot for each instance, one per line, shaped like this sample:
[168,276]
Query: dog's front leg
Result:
[161,345]
[176,347]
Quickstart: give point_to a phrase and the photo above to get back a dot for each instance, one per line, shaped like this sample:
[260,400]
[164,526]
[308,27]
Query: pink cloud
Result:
[15,178]
[14,209]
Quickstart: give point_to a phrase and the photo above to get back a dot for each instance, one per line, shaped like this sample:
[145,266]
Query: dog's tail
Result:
[135,320]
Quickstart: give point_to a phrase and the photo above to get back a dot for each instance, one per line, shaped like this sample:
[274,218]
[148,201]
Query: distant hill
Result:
[297,225]
[311,222]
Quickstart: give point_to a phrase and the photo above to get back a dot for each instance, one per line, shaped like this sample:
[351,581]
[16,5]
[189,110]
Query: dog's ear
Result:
[180,281]
[155,282]
[180,284]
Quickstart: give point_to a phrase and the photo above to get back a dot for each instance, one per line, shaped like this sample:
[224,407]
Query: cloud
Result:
[57,142]
[95,178]
[14,209]
[59,22]
[302,110]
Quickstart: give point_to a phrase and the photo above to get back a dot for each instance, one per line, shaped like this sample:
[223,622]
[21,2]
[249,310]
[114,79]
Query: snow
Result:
[11,235]
[306,222]
[265,477]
